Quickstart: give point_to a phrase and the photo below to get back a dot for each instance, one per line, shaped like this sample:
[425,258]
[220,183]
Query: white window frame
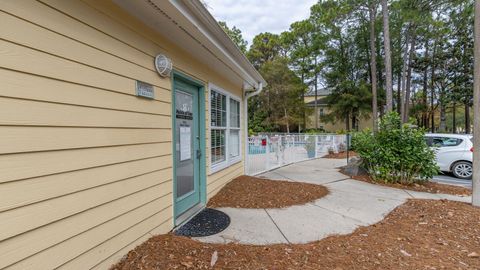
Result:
[228,160]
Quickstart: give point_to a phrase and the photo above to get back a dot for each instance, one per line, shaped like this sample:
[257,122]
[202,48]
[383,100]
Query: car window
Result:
[445,141]
[428,140]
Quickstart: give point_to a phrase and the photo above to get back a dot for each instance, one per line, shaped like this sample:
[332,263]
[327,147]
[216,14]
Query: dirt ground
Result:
[430,187]
[252,192]
[421,234]
[341,155]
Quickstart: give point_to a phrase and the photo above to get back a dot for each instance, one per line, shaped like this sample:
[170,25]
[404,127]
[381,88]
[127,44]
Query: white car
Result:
[454,153]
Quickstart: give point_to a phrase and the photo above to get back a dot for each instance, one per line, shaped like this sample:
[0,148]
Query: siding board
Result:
[32,242]
[149,215]
[19,139]
[28,165]
[28,86]
[33,36]
[20,193]
[31,113]
[32,216]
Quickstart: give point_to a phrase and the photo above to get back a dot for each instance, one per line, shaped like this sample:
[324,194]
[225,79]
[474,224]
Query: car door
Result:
[448,150]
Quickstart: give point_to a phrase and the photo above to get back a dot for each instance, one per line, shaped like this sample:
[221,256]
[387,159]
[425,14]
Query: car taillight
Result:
[471,149]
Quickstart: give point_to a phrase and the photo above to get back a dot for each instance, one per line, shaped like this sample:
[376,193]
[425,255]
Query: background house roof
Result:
[189,25]
[320,92]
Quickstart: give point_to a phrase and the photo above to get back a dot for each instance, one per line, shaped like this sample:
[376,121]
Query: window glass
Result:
[445,141]
[218,145]
[234,141]
[234,113]
[218,109]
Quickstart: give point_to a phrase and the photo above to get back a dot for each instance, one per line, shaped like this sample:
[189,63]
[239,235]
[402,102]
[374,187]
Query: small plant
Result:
[396,153]
[342,147]
[331,151]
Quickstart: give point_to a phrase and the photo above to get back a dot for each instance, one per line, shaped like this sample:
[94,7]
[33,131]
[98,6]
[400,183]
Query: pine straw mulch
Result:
[252,192]
[421,234]
[430,187]
[341,155]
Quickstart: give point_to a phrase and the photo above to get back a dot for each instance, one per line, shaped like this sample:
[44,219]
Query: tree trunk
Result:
[467,118]
[347,122]
[388,60]
[425,89]
[454,117]
[409,80]
[286,119]
[373,65]
[399,93]
[316,95]
[404,75]
[432,88]
[443,115]
[476,108]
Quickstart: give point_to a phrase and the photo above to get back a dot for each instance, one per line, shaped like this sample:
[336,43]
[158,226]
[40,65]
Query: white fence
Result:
[273,151]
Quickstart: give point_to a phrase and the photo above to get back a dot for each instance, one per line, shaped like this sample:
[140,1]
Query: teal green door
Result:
[187,147]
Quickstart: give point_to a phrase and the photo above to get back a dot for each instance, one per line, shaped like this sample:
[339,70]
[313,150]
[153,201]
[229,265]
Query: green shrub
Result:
[396,153]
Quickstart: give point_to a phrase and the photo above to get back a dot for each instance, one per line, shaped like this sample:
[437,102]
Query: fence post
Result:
[316,146]
[267,152]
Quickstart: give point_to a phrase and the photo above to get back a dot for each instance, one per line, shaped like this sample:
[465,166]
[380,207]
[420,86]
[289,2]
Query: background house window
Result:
[322,112]
[225,129]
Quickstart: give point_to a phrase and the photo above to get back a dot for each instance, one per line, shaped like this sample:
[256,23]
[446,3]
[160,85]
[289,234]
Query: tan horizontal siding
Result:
[27,165]
[18,139]
[150,214]
[49,18]
[33,36]
[20,193]
[122,238]
[28,86]
[24,245]
[32,216]
[33,113]
[126,238]
[219,179]
[85,164]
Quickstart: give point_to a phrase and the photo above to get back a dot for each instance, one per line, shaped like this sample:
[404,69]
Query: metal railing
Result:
[267,152]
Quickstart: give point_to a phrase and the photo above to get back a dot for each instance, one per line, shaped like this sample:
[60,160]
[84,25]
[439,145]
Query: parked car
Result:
[454,153]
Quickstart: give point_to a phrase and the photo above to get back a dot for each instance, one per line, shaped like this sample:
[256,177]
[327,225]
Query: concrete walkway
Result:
[349,205]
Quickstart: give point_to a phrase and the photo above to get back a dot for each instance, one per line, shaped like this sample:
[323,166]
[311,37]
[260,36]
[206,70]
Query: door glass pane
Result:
[184,143]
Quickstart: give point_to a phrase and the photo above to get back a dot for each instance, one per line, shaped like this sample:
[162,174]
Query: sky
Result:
[253,17]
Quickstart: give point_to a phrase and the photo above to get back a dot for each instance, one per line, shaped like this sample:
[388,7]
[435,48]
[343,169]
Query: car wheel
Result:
[462,169]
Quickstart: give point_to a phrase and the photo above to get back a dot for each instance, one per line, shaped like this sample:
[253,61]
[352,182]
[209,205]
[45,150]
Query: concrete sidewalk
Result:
[349,205]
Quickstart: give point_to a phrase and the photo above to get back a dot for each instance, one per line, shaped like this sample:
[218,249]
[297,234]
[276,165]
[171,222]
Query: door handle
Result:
[199,153]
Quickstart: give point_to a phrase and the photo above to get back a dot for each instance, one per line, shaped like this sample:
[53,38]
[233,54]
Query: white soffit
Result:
[184,24]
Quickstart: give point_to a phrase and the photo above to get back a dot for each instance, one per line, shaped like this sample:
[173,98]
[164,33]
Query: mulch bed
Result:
[430,187]
[341,155]
[421,234]
[252,192]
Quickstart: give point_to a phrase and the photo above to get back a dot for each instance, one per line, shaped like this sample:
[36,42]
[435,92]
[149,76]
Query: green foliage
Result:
[279,107]
[236,35]
[396,153]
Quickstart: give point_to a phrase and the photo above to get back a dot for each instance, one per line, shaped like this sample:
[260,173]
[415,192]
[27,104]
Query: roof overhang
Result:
[189,25]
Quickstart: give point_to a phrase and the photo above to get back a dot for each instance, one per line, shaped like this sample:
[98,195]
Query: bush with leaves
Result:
[396,153]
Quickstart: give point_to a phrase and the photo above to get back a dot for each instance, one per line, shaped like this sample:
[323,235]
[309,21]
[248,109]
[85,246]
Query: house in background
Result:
[322,110]
[98,152]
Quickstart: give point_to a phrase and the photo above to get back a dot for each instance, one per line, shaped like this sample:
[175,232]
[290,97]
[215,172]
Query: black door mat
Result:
[208,222]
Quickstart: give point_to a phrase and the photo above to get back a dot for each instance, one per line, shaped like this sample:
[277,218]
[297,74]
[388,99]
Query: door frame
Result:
[180,76]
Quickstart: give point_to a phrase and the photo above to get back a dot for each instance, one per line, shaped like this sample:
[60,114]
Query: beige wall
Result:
[329,126]
[85,165]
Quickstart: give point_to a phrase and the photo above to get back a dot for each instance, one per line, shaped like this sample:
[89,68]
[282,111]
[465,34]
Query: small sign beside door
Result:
[145,90]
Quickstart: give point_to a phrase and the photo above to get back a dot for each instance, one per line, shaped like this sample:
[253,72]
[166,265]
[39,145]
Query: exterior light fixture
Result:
[163,65]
